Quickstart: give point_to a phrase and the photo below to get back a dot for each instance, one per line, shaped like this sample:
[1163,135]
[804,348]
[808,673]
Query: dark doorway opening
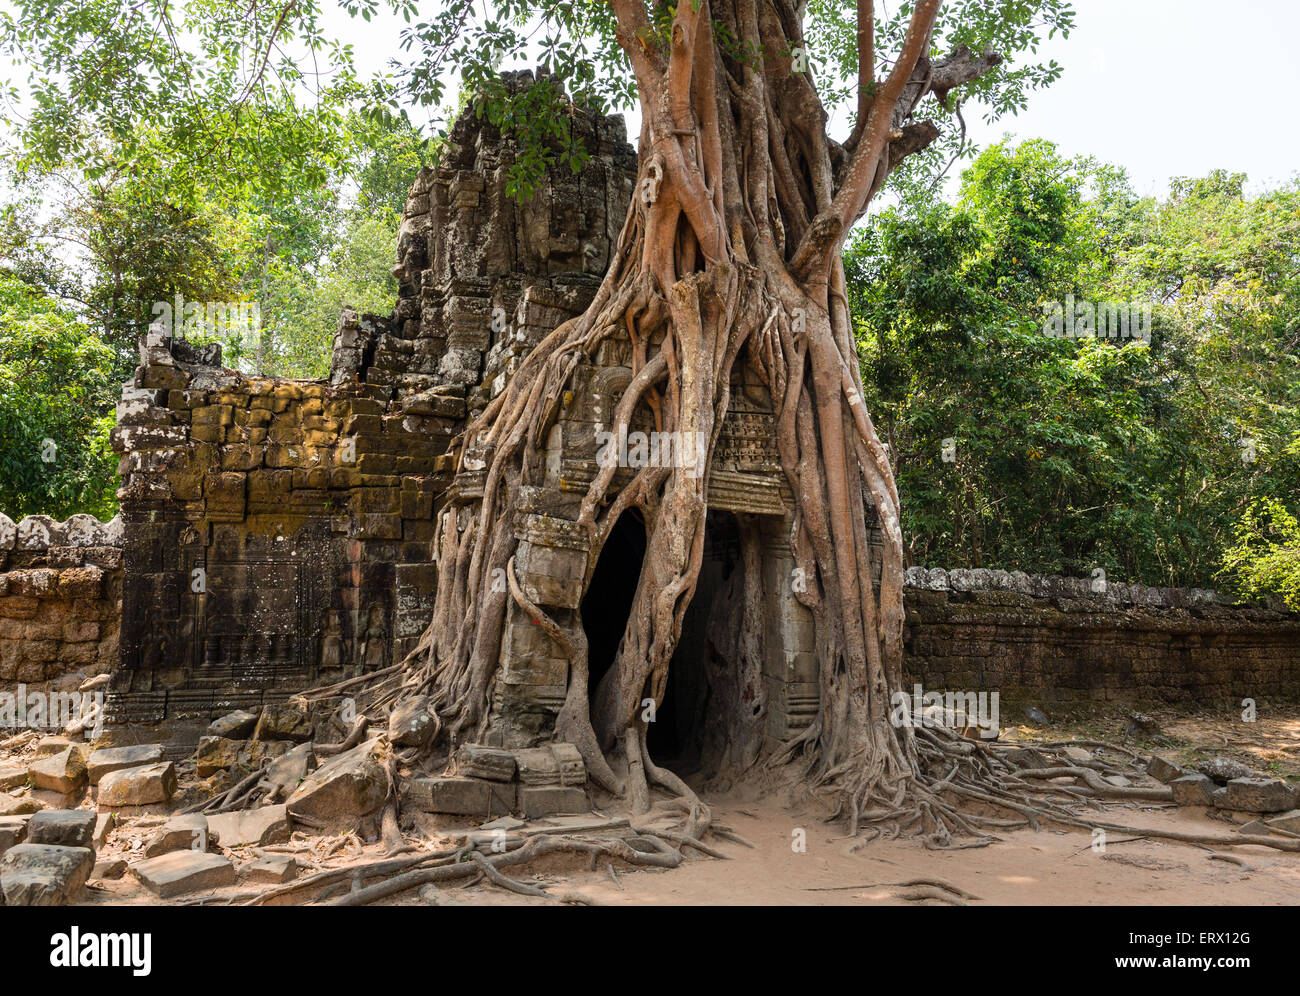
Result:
[608,601]
[676,738]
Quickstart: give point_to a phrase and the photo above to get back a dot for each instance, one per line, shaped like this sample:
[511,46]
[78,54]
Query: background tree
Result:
[1068,455]
[56,391]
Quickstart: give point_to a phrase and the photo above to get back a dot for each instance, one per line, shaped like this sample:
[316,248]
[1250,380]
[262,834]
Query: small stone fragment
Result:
[1289,821]
[104,823]
[110,869]
[1141,725]
[13,829]
[1165,771]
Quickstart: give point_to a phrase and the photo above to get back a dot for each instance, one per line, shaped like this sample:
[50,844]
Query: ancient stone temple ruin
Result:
[277,534]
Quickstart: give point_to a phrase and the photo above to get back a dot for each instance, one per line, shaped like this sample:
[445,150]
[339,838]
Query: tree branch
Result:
[636,35]
[824,234]
[866,69]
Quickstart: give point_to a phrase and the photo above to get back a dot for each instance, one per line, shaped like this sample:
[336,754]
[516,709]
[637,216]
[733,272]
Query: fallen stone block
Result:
[49,746]
[17,806]
[104,762]
[410,724]
[286,773]
[254,827]
[1259,795]
[64,827]
[544,800]
[490,763]
[153,783]
[1077,754]
[457,796]
[237,725]
[179,872]
[1253,827]
[1288,822]
[220,754]
[1165,771]
[1193,790]
[64,772]
[284,722]
[343,789]
[12,778]
[277,868]
[1140,724]
[1222,770]
[44,874]
[13,830]
[186,832]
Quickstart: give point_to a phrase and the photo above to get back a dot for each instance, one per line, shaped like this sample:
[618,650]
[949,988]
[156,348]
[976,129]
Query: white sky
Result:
[1162,87]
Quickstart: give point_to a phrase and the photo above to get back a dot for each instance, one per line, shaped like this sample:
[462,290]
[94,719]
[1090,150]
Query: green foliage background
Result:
[1070,454]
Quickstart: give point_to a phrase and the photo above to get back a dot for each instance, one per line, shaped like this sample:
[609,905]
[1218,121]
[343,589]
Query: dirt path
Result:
[1027,868]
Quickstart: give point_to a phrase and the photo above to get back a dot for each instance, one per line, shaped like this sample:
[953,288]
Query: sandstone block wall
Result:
[60,597]
[278,533]
[1038,639]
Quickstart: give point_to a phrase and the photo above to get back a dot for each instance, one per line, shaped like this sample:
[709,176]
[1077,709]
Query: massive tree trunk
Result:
[729,254]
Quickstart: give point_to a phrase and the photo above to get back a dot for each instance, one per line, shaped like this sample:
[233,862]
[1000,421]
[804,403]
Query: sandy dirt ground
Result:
[799,859]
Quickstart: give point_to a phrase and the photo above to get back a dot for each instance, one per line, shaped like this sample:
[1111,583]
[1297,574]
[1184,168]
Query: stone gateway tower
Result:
[278,533]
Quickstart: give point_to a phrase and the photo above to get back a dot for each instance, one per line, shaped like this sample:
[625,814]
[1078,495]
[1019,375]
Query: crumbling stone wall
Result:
[278,533]
[1037,639]
[60,597]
